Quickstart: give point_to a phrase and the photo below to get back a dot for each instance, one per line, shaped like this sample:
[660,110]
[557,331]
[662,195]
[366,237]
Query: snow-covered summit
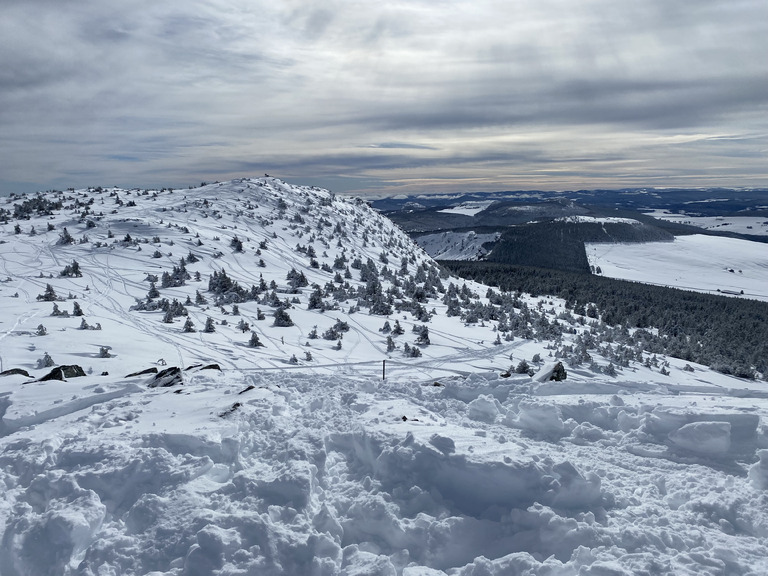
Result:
[277,380]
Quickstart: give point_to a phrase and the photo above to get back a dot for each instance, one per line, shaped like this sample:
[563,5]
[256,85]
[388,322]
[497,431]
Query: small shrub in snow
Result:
[57,312]
[523,367]
[45,362]
[282,319]
[254,342]
[49,295]
[72,270]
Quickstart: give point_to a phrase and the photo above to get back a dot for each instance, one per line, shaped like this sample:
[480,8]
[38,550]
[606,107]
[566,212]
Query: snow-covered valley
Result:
[401,421]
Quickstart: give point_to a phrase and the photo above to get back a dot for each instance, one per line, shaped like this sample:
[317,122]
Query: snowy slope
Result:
[456,245]
[297,457]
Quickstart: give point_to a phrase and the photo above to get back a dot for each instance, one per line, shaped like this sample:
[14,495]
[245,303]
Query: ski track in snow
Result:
[323,468]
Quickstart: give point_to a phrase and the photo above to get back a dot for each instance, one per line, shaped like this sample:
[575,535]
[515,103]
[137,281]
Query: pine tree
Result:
[282,319]
[189,326]
[153,291]
[209,326]
[49,295]
[254,342]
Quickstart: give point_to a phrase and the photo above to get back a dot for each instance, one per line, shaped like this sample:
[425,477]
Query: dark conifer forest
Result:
[728,334]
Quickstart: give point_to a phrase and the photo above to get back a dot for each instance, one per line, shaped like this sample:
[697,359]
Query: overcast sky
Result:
[384,96]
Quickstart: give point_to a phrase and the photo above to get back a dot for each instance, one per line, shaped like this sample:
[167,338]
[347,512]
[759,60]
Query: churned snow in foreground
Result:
[272,472]
[701,263]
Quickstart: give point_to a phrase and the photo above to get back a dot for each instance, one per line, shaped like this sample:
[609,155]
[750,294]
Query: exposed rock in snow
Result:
[554,371]
[63,372]
[15,371]
[167,377]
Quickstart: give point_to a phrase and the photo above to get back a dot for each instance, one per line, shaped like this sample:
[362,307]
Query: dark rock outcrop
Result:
[63,372]
[169,377]
[13,371]
[558,374]
[152,370]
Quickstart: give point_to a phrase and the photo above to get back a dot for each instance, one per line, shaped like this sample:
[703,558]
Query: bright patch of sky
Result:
[403,96]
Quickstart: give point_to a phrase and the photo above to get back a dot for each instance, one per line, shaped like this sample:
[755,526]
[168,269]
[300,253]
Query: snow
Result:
[323,467]
[468,208]
[456,245]
[700,263]
[754,225]
[599,220]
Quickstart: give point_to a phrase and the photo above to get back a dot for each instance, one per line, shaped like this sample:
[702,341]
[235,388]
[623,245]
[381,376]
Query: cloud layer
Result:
[384,97]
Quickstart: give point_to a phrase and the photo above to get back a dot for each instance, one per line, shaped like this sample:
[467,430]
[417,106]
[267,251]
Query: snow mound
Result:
[484,408]
[758,472]
[705,438]
[538,418]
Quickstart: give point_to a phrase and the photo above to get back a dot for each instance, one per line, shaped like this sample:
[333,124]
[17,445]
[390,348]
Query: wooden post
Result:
[383,369]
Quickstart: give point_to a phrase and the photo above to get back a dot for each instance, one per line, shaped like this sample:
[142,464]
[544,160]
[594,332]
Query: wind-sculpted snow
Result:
[322,475]
[321,447]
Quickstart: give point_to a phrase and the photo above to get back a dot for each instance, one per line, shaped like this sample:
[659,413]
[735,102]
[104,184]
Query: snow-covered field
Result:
[701,263]
[302,456]
[456,245]
[468,208]
[740,224]
[598,220]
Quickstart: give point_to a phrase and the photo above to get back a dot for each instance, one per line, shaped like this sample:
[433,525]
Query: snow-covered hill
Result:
[277,380]
[709,264]
[456,245]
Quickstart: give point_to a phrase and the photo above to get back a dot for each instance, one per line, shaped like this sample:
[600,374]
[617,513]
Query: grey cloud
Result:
[380,92]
